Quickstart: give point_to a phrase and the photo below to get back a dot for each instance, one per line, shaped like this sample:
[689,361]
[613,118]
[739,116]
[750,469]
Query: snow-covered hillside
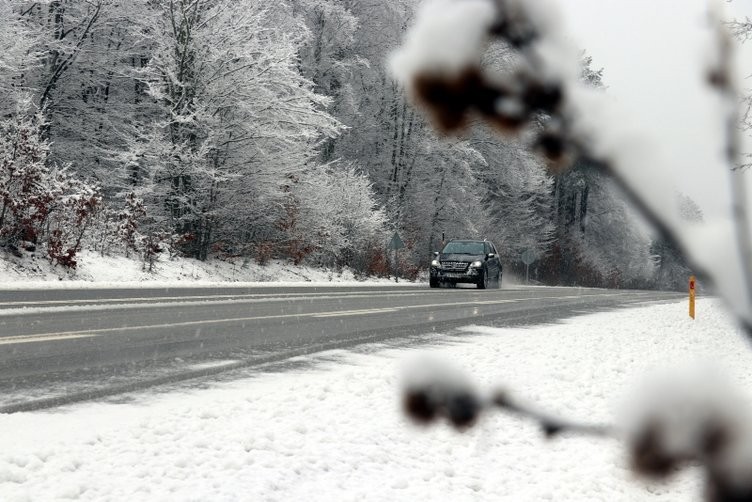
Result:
[117,271]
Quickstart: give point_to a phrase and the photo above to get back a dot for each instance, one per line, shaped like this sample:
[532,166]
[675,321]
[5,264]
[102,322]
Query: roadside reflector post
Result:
[396,266]
[692,296]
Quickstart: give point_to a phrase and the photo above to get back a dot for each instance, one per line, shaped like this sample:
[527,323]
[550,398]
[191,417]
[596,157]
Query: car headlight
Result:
[476,264]
[435,263]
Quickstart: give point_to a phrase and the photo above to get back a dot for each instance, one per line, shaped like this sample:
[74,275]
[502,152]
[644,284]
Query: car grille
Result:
[454,265]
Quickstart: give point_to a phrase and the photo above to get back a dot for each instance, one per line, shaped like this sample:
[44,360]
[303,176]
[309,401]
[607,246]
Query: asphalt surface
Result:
[63,346]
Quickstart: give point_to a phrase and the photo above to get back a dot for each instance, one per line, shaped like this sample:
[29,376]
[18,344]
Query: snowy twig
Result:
[434,390]
[462,408]
[551,425]
[683,418]
[742,30]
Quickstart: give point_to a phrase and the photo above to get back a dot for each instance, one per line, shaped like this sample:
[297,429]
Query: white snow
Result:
[681,406]
[97,271]
[447,38]
[331,429]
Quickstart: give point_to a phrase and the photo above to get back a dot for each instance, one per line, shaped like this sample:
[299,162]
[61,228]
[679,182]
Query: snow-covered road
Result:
[330,428]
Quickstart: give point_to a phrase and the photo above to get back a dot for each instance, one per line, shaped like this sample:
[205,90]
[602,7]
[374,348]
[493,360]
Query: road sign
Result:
[396,242]
[528,256]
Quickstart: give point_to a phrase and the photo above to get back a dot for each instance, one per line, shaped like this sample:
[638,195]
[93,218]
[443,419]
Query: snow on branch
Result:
[450,40]
[742,30]
[434,389]
[692,417]
[674,420]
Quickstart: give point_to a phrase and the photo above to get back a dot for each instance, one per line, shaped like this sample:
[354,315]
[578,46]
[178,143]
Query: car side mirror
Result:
[435,254]
[490,255]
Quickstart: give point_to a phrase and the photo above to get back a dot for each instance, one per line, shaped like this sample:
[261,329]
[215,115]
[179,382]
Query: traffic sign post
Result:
[692,296]
[396,244]
[528,258]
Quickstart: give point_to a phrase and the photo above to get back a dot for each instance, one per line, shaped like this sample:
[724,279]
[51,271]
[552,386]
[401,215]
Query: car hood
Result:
[461,257]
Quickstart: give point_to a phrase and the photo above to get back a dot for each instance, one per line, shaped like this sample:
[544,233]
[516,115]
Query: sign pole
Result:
[692,296]
[528,258]
[396,267]
[396,244]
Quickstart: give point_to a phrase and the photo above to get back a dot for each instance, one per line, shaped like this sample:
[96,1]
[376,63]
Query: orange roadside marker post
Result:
[692,296]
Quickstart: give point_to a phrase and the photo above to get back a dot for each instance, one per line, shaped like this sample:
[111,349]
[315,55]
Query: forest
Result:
[222,129]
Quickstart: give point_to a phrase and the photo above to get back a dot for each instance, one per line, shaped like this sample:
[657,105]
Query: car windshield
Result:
[463,247]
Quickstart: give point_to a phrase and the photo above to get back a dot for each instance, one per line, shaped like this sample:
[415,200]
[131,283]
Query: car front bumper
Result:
[470,275]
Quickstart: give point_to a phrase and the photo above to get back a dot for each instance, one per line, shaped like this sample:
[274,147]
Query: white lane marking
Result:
[47,337]
[358,312]
[96,332]
[213,364]
[95,301]
[9,312]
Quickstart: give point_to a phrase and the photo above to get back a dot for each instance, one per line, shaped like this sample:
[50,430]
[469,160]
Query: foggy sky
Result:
[653,53]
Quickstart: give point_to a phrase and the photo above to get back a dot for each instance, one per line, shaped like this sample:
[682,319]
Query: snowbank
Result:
[330,429]
[95,270]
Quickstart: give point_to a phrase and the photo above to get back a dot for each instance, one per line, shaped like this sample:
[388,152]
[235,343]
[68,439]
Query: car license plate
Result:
[453,275]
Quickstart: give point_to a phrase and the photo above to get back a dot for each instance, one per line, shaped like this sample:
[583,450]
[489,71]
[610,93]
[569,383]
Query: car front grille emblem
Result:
[454,265]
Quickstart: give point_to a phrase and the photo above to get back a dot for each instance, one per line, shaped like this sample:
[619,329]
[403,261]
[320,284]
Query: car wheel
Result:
[483,281]
[434,283]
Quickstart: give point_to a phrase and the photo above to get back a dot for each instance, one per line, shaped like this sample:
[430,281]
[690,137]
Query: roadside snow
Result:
[96,271]
[330,428]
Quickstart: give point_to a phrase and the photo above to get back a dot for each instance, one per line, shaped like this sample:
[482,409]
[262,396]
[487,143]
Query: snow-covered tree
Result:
[426,186]
[329,58]
[42,204]
[519,195]
[89,51]
[236,118]
[742,30]
[331,214]
[220,115]
[672,271]
[610,240]
[18,56]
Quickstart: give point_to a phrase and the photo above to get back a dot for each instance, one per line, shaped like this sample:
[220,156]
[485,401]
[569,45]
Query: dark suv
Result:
[475,262]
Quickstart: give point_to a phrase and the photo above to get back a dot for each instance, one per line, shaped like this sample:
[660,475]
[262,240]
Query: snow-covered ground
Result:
[330,428]
[96,271]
